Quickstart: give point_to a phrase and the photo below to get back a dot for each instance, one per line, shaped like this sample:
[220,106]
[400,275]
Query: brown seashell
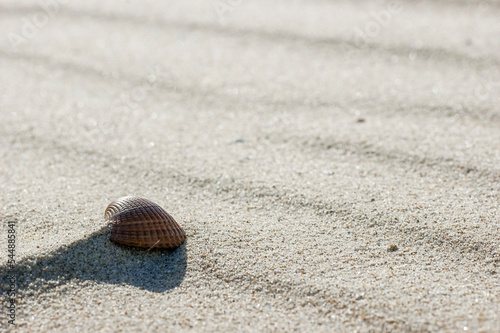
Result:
[139,222]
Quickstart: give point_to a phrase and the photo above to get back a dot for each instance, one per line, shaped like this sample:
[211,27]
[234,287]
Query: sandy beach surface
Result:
[335,164]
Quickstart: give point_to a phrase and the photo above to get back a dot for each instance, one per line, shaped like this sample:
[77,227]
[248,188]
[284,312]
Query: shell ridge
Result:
[140,222]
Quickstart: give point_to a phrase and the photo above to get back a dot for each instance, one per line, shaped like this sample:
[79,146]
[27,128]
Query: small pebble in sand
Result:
[392,248]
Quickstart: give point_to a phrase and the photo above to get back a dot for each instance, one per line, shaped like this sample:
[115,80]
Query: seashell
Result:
[139,222]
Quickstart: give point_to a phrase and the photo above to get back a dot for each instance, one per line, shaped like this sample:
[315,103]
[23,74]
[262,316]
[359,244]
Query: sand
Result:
[335,165]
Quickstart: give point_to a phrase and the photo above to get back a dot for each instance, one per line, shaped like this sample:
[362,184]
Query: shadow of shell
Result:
[95,258]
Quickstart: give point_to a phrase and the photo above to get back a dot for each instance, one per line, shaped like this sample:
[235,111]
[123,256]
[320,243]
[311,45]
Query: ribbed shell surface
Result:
[139,222]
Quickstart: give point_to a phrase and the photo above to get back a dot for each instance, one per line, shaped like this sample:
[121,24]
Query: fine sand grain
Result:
[335,165]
